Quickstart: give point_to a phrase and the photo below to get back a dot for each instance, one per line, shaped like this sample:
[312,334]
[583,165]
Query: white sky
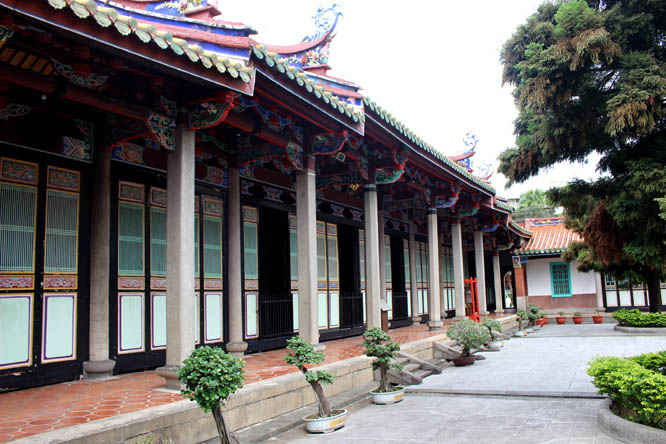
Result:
[433,64]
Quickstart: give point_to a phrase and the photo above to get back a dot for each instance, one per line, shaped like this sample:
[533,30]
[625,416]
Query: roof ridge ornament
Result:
[325,20]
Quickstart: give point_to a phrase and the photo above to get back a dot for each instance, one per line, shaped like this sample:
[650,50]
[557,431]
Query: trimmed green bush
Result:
[652,361]
[634,318]
[468,334]
[210,376]
[638,393]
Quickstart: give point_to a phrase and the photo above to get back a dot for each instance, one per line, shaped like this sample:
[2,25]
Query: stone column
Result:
[599,292]
[306,226]
[458,272]
[382,251]
[413,292]
[480,272]
[434,310]
[100,365]
[371,257]
[180,251]
[497,278]
[236,346]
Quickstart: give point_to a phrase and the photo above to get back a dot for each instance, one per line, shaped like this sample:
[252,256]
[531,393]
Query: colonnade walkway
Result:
[38,410]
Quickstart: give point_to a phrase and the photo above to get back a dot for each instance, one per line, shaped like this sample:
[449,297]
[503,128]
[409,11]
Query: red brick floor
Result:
[32,411]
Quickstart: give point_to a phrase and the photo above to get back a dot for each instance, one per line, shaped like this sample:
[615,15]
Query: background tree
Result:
[591,76]
[534,203]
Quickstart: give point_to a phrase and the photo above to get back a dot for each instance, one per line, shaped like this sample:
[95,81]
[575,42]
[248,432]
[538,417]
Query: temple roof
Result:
[549,236]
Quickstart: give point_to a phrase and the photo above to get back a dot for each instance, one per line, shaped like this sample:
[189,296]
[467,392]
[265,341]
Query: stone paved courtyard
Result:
[551,360]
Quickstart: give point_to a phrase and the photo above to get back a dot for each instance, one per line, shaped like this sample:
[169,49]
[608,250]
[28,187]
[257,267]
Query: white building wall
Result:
[538,278]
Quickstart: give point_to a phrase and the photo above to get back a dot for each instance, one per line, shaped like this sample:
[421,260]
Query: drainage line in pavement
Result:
[507,393]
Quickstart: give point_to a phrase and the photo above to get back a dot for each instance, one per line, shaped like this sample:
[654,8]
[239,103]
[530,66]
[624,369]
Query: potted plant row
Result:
[533,316]
[468,335]
[326,419]
[380,346]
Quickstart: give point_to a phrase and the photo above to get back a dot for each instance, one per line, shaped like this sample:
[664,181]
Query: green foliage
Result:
[590,76]
[209,376]
[652,361]
[574,17]
[534,312]
[380,346]
[638,393]
[492,325]
[534,203]
[468,334]
[577,313]
[302,352]
[634,318]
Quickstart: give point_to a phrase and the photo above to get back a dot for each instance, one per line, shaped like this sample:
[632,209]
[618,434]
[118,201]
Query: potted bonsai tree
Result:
[380,346]
[561,319]
[469,335]
[533,315]
[577,317]
[522,315]
[302,353]
[209,376]
[493,326]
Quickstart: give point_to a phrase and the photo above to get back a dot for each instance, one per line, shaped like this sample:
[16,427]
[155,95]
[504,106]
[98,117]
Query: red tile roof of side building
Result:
[549,236]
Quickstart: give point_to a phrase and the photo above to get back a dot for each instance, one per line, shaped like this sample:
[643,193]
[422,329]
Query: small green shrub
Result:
[380,346]
[634,318]
[302,352]
[652,361]
[468,334]
[577,313]
[210,376]
[638,393]
[522,315]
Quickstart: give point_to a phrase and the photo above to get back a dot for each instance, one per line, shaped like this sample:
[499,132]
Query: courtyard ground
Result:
[535,390]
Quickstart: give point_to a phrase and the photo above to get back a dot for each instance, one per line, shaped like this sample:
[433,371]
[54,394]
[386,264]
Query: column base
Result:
[435,325]
[416,320]
[499,312]
[484,313]
[459,318]
[98,369]
[170,373]
[319,347]
[237,348]
[601,309]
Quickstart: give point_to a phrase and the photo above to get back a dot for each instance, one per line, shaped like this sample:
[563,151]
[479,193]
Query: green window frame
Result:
[130,239]
[250,250]
[158,241]
[560,279]
[212,246]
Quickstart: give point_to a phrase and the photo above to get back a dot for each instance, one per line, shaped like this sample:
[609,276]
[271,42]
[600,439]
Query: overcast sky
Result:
[433,64]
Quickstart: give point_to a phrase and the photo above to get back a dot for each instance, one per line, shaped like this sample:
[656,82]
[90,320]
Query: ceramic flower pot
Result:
[467,360]
[383,398]
[598,319]
[325,425]
[561,320]
[577,319]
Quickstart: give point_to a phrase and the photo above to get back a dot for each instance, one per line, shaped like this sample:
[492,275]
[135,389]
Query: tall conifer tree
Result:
[590,76]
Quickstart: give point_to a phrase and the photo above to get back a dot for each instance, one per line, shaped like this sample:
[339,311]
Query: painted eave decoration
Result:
[300,78]
[127,25]
[416,140]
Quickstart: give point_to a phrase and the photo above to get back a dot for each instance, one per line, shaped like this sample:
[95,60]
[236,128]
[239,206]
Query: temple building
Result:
[167,181]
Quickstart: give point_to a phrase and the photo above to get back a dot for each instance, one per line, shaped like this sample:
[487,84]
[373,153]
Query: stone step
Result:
[422,373]
[411,367]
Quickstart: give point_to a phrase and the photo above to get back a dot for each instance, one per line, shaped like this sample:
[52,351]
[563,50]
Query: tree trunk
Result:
[383,379]
[324,408]
[654,292]
[226,437]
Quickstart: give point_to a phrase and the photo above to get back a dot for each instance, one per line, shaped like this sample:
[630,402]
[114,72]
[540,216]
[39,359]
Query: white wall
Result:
[538,278]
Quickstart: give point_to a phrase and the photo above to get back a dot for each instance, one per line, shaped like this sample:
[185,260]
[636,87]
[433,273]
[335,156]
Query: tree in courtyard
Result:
[591,76]
[209,376]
